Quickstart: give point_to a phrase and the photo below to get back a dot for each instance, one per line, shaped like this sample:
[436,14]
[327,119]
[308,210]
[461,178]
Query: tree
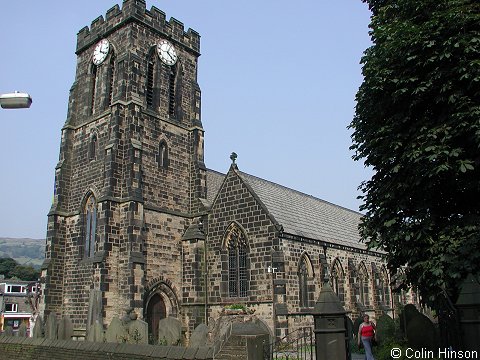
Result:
[6,266]
[26,273]
[417,124]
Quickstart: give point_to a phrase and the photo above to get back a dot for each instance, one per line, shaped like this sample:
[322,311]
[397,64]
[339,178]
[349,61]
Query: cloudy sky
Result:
[278,82]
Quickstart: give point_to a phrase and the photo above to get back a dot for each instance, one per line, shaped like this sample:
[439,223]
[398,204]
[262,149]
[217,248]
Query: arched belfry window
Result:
[162,155]
[90,213]
[236,246]
[92,147]
[172,74]
[150,81]
[111,78]
[363,280]
[93,89]
[337,280]
[304,272]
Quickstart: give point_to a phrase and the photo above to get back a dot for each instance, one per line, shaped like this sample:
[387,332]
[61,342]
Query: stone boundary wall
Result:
[13,348]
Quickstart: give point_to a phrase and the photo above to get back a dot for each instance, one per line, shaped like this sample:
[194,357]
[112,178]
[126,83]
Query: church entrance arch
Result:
[160,303]
[156,311]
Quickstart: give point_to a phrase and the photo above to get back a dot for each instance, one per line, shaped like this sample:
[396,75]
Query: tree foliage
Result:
[11,269]
[417,124]
[6,266]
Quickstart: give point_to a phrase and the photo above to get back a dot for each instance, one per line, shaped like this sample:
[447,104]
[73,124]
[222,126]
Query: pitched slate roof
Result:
[299,214]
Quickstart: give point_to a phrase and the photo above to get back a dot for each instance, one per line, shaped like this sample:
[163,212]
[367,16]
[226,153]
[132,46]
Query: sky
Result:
[278,81]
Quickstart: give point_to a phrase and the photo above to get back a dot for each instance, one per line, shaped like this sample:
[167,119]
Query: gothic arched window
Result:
[337,280]
[163,155]
[303,282]
[90,214]
[383,291]
[236,245]
[363,286]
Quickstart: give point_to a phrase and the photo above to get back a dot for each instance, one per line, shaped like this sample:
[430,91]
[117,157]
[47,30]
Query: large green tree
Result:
[417,125]
[6,266]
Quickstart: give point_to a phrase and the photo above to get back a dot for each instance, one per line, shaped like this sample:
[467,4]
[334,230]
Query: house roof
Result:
[299,214]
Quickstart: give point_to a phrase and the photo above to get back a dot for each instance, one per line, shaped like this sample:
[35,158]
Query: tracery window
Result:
[383,291]
[303,282]
[236,244]
[90,226]
[337,280]
[363,286]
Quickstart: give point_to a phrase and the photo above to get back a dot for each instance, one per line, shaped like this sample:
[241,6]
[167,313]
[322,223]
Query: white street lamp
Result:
[16,100]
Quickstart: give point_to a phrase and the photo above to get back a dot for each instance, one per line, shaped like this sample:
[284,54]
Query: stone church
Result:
[139,223]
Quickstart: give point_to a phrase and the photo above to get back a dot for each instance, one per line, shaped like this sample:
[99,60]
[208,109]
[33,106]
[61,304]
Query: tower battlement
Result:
[136,11]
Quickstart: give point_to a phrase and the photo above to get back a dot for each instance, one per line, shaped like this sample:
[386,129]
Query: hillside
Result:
[24,251]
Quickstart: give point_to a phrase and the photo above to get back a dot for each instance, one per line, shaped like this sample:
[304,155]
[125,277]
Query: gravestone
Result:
[65,328]
[95,332]
[138,332]
[38,329]
[115,332]
[94,308]
[408,313]
[169,331]
[22,330]
[199,336]
[51,327]
[8,331]
[421,333]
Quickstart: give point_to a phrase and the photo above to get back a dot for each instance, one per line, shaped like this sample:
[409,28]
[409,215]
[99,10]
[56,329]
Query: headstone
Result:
[199,336]
[8,331]
[138,332]
[169,331]
[65,328]
[51,326]
[115,332]
[94,308]
[408,312]
[95,332]
[22,330]
[421,333]
[38,330]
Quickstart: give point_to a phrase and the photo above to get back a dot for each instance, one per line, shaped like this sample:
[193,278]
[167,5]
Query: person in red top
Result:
[366,334]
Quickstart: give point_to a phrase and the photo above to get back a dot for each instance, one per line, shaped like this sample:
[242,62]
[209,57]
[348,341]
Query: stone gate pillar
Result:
[331,338]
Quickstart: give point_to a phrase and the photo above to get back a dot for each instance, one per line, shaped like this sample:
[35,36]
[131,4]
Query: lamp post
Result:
[15,100]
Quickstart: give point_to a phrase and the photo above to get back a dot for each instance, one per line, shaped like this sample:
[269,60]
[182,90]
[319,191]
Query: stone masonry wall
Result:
[143,209]
[41,349]
[235,203]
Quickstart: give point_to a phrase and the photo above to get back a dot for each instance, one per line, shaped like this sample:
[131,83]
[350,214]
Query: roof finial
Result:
[233,157]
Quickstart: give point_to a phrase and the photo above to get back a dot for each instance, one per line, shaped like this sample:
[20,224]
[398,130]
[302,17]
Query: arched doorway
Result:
[156,311]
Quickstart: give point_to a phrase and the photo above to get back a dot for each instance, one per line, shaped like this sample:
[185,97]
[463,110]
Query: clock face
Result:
[101,51]
[166,52]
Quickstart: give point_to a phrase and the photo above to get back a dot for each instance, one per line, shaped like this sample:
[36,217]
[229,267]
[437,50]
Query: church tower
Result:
[131,170]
